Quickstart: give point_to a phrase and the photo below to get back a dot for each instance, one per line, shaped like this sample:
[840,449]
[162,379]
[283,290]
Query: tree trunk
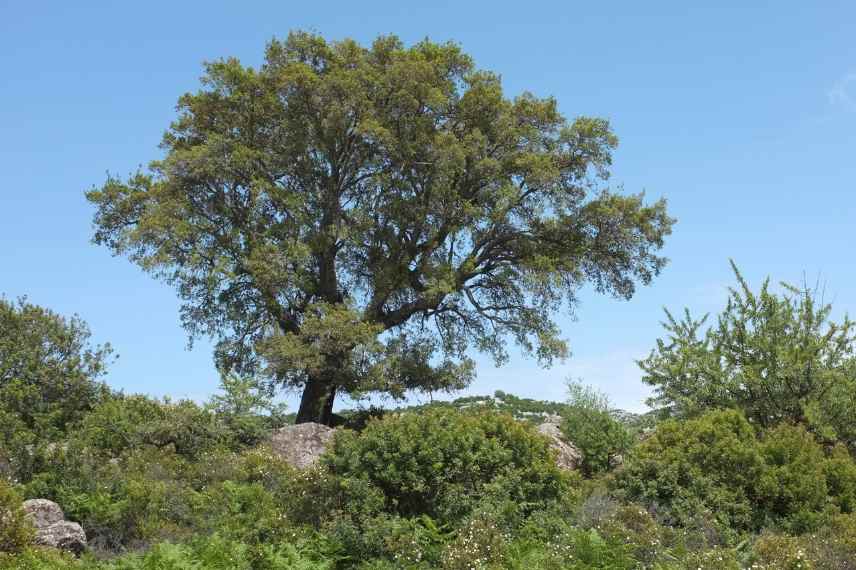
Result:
[316,402]
[328,406]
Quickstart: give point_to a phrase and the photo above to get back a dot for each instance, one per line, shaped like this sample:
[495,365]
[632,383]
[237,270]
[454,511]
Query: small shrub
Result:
[130,423]
[42,559]
[780,552]
[15,530]
[716,558]
[480,542]
[246,410]
[589,424]
[834,545]
[840,472]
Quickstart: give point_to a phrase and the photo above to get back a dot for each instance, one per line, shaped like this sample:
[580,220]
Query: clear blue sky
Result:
[742,114]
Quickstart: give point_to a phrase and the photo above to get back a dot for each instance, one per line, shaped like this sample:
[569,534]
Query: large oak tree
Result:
[352,219]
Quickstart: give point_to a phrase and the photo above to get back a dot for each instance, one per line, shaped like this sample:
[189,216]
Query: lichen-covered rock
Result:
[567,456]
[64,535]
[51,527]
[43,513]
[301,445]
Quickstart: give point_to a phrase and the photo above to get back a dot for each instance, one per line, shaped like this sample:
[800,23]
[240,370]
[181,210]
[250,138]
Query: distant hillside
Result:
[525,409]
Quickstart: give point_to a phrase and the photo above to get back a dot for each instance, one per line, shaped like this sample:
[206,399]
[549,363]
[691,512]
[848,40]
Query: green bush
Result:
[125,423]
[437,463]
[218,553]
[573,548]
[840,474]
[15,531]
[589,424]
[144,495]
[792,489]
[48,382]
[43,559]
[47,366]
[247,411]
[834,545]
[715,467]
[706,466]
[128,502]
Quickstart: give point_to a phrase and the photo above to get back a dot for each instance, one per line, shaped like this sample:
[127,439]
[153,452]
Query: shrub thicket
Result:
[159,484]
[715,467]
[705,467]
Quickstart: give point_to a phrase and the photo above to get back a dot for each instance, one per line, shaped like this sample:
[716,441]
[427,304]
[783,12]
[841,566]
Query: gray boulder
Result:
[301,445]
[64,535]
[567,456]
[51,527]
[43,513]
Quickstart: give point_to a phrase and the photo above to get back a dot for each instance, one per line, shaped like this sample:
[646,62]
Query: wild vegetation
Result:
[350,220]
[462,484]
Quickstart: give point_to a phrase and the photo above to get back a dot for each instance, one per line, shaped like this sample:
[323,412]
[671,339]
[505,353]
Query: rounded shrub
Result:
[706,466]
[440,462]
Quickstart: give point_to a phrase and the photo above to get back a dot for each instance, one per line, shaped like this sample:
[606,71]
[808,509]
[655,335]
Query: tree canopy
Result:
[349,218]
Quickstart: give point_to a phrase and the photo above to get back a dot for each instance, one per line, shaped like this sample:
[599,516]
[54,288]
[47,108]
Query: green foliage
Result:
[167,485]
[247,411]
[792,487]
[135,422]
[354,218]
[438,463]
[831,547]
[134,468]
[15,531]
[40,559]
[777,552]
[704,467]
[48,372]
[451,490]
[120,502]
[590,425]
[714,466]
[47,366]
[777,357]
[840,474]
[218,553]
